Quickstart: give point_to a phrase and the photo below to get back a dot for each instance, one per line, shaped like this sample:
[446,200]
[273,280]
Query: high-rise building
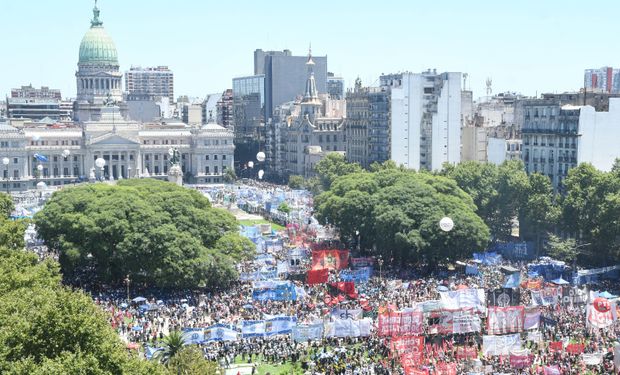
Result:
[605,79]
[368,125]
[155,82]
[285,77]
[99,81]
[248,107]
[426,119]
[335,86]
[34,93]
[259,59]
[224,107]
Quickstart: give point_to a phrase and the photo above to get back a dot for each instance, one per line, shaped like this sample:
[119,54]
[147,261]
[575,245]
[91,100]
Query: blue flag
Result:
[513,281]
[40,157]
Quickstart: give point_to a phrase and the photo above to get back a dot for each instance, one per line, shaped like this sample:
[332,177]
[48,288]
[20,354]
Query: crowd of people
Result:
[143,322]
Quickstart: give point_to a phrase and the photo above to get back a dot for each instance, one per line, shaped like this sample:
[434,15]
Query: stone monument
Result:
[175,173]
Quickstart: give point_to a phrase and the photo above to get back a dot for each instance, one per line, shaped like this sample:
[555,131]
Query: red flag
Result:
[575,348]
[330,259]
[318,276]
[442,368]
[346,287]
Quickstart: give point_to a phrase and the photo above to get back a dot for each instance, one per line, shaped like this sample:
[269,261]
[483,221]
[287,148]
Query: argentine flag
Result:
[40,157]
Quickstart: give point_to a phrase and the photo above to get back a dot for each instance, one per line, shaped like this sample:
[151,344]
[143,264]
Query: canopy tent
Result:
[560,281]
[138,299]
[606,295]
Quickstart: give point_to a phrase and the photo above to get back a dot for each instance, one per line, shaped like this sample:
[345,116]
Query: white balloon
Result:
[260,156]
[446,224]
[251,164]
[260,174]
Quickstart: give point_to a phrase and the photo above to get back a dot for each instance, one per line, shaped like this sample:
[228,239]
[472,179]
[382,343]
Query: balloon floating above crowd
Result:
[446,224]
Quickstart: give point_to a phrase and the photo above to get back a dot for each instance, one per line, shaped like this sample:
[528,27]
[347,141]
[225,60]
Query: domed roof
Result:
[97,47]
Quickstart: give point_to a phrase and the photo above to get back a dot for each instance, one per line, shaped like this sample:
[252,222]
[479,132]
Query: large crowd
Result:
[392,288]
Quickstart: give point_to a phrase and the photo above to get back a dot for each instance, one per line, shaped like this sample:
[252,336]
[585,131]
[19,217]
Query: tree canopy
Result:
[155,232]
[397,212]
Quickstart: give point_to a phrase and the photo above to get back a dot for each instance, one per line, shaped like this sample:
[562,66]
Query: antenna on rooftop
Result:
[489,83]
[465,75]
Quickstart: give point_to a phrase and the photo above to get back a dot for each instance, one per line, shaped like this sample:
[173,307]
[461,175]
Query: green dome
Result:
[97,47]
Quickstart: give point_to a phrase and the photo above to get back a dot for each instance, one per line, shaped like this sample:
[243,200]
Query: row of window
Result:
[216,142]
[207,157]
[163,142]
[51,143]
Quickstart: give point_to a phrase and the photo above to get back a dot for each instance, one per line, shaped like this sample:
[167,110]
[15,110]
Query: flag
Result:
[318,276]
[556,346]
[513,280]
[330,259]
[220,332]
[193,336]
[503,297]
[503,320]
[575,348]
[40,157]
[343,287]
[305,332]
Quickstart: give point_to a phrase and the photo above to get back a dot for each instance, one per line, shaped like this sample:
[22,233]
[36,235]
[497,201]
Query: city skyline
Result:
[526,49]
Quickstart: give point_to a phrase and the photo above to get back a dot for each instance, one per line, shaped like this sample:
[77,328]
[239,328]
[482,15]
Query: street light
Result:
[100,163]
[6,161]
[65,154]
[380,261]
[127,281]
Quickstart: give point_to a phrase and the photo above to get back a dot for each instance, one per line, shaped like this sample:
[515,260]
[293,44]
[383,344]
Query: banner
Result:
[556,346]
[280,325]
[330,259]
[546,297]
[532,284]
[348,328]
[534,336]
[592,359]
[513,280]
[572,296]
[442,368]
[463,299]
[503,297]
[274,290]
[408,344]
[220,332]
[471,269]
[269,274]
[521,361]
[347,314]
[305,332]
[410,362]
[362,262]
[552,370]
[398,323]
[317,276]
[500,345]
[253,328]
[600,319]
[343,287]
[193,336]
[466,352]
[358,275]
[532,318]
[617,356]
[461,321]
[575,349]
[503,320]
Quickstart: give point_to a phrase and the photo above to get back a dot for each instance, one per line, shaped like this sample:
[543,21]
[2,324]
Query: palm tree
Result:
[172,344]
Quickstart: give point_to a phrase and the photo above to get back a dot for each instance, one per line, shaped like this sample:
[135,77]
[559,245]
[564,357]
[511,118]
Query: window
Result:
[15,173]
[223,157]
[207,170]
[215,169]
[214,157]
[206,157]
[15,160]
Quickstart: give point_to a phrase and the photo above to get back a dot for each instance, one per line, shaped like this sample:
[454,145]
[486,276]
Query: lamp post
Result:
[380,261]
[128,172]
[100,163]
[127,281]
[6,161]
[65,155]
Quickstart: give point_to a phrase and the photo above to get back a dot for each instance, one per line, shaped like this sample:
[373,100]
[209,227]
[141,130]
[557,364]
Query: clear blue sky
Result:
[524,46]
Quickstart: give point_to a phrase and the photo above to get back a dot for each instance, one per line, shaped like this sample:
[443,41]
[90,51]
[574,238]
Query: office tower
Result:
[154,82]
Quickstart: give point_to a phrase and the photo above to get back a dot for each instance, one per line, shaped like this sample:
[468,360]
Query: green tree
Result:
[295,181]
[539,213]
[284,208]
[564,250]
[6,205]
[154,231]
[171,346]
[332,166]
[229,176]
[191,361]
[397,212]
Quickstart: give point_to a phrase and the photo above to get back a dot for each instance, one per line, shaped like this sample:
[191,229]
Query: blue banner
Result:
[220,332]
[193,336]
[280,325]
[488,259]
[269,274]
[275,291]
[358,275]
[512,281]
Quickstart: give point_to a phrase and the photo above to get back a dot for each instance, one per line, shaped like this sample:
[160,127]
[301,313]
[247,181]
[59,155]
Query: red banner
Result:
[410,361]
[398,323]
[555,346]
[466,352]
[442,368]
[362,262]
[318,276]
[330,259]
[521,361]
[575,348]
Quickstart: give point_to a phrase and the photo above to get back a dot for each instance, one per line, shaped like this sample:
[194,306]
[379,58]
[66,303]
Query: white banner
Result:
[546,297]
[348,328]
[500,345]
[305,332]
[534,336]
[464,299]
[459,322]
[532,318]
[592,359]
[347,314]
[220,332]
[601,319]
[253,328]
[505,320]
